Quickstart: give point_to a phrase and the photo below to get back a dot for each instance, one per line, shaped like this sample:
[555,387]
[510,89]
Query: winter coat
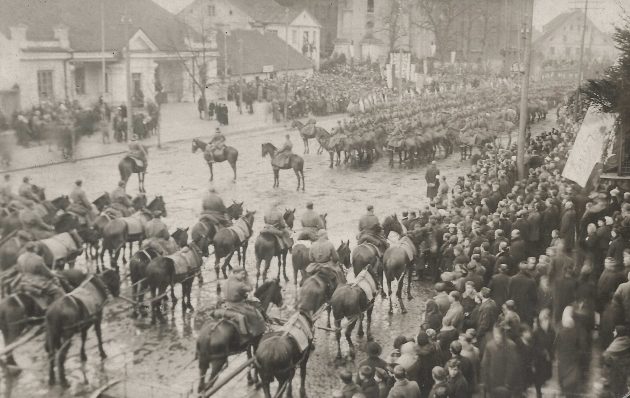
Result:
[523,290]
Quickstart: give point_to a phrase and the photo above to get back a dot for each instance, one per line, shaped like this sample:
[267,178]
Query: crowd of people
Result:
[525,271]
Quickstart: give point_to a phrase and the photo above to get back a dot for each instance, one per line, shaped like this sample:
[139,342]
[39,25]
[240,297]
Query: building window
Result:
[211,10]
[370,6]
[79,80]
[45,85]
[273,31]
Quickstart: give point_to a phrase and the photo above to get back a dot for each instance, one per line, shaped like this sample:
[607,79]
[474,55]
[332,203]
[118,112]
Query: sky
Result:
[605,13]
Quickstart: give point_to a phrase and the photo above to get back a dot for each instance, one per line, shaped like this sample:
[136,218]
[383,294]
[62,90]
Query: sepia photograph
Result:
[314,198]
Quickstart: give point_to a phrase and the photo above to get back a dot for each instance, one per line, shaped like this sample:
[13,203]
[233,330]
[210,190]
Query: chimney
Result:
[18,33]
[61,34]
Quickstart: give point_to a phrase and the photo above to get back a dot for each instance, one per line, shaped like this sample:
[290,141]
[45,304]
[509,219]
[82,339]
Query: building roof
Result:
[83,20]
[558,22]
[267,11]
[259,50]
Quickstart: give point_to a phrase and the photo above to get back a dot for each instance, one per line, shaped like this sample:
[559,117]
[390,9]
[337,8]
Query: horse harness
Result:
[80,297]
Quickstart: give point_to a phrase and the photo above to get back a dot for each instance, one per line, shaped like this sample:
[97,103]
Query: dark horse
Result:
[295,162]
[266,247]
[310,131]
[138,265]
[128,166]
[227,241]
[278,353]
[205,227]
[70,314]
[300,255]
[229,153]
[398,259]
[20,310]
[116,232]
[219,339]
[166,271]
[365,255]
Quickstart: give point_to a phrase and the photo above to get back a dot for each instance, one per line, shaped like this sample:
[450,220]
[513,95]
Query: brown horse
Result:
[219,339]
[365,255]
[128,166]
[71,314]
[300,256]
[310,131]
[229,153]
[398,259]
[266,247]
[296,163]
[227,241]
[207,228]
[138,265]
[21,310]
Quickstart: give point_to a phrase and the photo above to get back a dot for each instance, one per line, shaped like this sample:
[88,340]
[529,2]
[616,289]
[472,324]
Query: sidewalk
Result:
[180,122]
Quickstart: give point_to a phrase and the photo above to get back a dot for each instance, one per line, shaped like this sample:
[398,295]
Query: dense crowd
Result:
[525,271]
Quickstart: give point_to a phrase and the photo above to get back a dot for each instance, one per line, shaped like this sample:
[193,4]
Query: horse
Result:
[181,267]
[231,239]
[229,153]
[307,134]
[351,301]
[397,260]
[76,312]
[300,256]
[138,264]
[295,162]
[219,339]
[128,166]
[365,254]
[116,233]
[67,222]
[266,247]
[20,310]
[205,227]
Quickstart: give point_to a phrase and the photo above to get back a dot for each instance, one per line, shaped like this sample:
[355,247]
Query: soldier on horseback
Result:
[324,257]
[311,224]
[216,145]
[282,157]
[370,230]
[27,192]
[138,153]
[34,277]
[33,223]
[80,203]
[250,320]
[275,225]
[156,233]
[120,200]
[214,209]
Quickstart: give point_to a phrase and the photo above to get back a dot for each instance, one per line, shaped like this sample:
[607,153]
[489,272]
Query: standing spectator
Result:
[373,360]
[487,316]
[609,281]
[568,225]
[403,388]
[544,340]
[455,315]
[441,298]
[432,316]
[523,290]
[457,384]
[431,177]
[211,109]
[525,348]
[427,359]
[349,386]
[465,365]
[616,361]
[518,249]
[368,385]
[499,286]
[439,376]
[621,304]
[498,366]
[570,350]
[617,246]
[201,106]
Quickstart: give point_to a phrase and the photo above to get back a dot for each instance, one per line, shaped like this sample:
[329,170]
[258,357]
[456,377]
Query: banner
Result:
[589,146]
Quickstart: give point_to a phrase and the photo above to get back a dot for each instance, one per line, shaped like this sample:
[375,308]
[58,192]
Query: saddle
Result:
[282,160]
[408,246]
[185,261]
[59,247]
[366,282]
[40,301]
[299,327]
[282,242]
[139,163]
[307,234]
[90,296]
[241,230]
[214,219]
[245,317]
[135,225]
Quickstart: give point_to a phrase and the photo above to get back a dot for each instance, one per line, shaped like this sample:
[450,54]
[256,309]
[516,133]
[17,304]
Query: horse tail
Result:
[214,341]
[275,353]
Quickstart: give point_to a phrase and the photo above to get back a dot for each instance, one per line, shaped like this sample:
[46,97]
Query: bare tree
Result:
[393,23]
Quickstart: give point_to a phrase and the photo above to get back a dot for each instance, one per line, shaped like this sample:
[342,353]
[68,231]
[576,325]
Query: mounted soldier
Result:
[213,209]
[157,236]
[324,258]
[80,203]
[35,278]
[33,223]
[216,145]
[275,225]
[283,156]
[120,200]
[250,320]
[311,224]
[138,153]
[27,191]
[370,230]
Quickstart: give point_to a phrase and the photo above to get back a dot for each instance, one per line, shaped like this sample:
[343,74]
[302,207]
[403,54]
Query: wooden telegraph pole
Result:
[126,20]
[524,117]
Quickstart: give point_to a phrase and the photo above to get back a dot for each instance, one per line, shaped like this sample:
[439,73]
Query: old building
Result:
[293,25]
[325,11]
[52,51]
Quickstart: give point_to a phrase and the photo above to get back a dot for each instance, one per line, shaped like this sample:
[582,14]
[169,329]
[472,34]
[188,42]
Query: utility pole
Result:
[103,77]
[126,20]
[400,57]
[524,117]
[286,71]
[581,64]
[240,77]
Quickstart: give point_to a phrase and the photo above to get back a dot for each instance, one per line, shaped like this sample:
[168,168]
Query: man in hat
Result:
[367,383]
[324,257]
[216,145]
[499,285]
[487,316]
[370,230]
[250,320]
[33,223]
[568,225]
[277,226]
[213,209]
[350,388]
[431,177]
[80,203]
[518,247]
[27,191]
[35,278]
[138,153]
[523,290]
[403,387]
[499,366]
[283,156]
[311,224]
[156,234]
[120,200]
[458,385]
